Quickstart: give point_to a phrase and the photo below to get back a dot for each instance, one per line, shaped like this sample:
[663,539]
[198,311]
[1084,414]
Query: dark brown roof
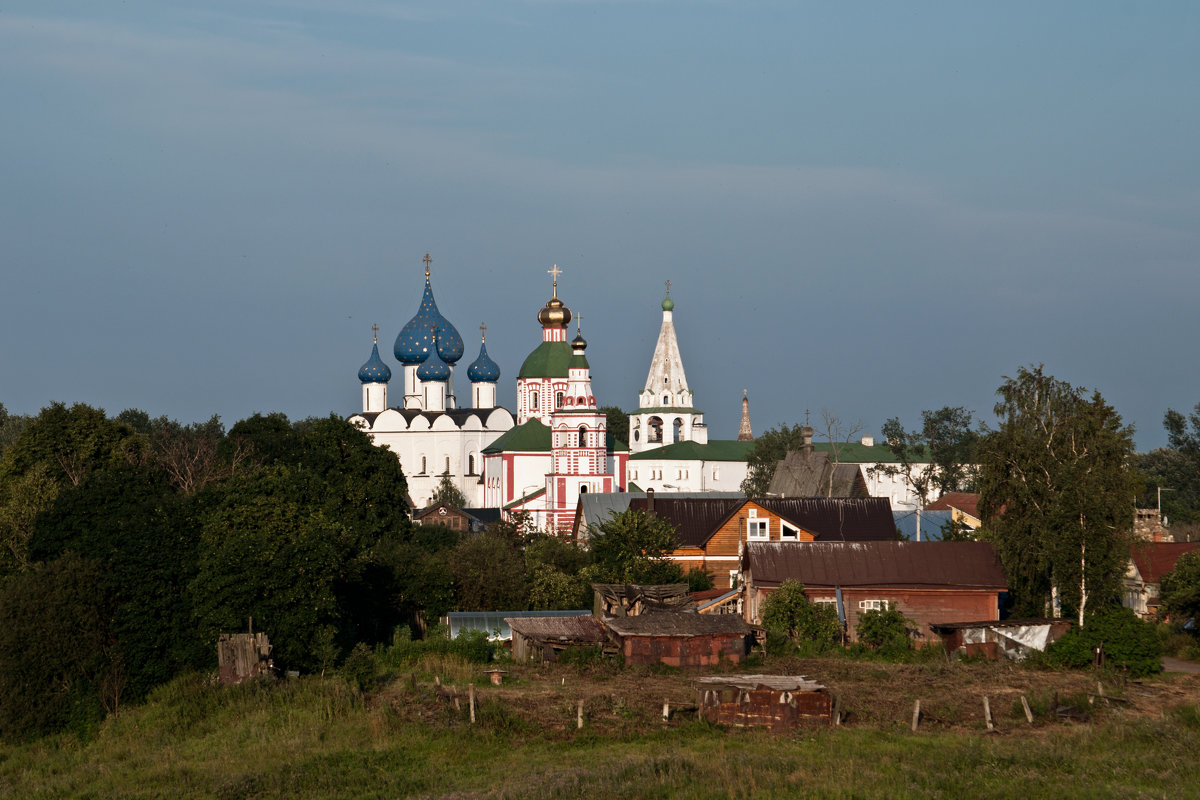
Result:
[829,519]
[583,628]
[666,623]
[1155,559]
[913,564]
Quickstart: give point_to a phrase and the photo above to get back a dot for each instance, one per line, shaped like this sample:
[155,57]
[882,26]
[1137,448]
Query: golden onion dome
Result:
[554,314]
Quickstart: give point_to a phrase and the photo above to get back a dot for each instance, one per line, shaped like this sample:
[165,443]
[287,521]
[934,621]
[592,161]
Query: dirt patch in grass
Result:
[539,701]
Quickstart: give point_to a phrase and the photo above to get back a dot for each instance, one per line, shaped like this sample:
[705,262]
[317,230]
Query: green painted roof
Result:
[716,450]
[525,499]
[533,436]
[858,453]
[548,360]
[667,410]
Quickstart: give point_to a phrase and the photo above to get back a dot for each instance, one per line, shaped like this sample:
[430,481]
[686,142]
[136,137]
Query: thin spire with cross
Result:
[375,333]
[668,288]
[483,331]
[427,261]
[555,272]
[579,324]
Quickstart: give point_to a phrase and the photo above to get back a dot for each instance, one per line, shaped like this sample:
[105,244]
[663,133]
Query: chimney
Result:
[807,433]
[650,500]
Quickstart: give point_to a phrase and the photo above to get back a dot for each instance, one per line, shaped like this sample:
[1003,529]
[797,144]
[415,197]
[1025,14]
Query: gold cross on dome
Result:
[483,331]
[668,287]
[427,261]
[555,272]
[375,333]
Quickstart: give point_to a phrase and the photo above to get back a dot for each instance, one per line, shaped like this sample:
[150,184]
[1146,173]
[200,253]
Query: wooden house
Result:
[713,532]
[680,639]
[928,582]
[1148,562]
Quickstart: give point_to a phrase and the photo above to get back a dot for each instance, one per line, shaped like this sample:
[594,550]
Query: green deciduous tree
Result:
[1057,492]
[884,629]
[446,492]
[789,611]
[633,547]
[935,459]
[489,574]
[617,422]
[1181,588]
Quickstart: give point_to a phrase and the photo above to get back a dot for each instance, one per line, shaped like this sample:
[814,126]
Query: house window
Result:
[825,601]
[533,401]
[873,605]
[758,528]
[733,579]
[788,531]
[558,400]
[716,474]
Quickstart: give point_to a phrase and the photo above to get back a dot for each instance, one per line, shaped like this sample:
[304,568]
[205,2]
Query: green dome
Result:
[549,360]
[668,304]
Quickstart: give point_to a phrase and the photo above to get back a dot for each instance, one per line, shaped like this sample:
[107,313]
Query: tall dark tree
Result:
[489,574]
[1057,492]
[617,422]
[1175,469]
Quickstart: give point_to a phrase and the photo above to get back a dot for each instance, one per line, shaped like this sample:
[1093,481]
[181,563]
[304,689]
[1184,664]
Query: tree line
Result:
[129,543]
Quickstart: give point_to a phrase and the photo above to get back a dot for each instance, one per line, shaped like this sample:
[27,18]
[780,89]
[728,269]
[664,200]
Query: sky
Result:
[864,208]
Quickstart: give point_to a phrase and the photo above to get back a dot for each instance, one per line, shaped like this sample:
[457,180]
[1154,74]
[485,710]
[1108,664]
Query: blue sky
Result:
[870,208]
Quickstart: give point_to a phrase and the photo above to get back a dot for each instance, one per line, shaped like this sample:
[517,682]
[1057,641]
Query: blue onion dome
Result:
[412,345]
[375,371]
[434,368]
[483,369]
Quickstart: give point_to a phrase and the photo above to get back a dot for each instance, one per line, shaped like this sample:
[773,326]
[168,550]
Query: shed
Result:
[680,639]
[241,656]
[544,638]
[632,599]
[778,702]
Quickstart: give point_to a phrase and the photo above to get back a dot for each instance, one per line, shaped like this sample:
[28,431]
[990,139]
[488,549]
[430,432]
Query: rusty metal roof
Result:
[829,518]
[583,628]
[780,683]
[666,623]
[914,564]
[1155,559]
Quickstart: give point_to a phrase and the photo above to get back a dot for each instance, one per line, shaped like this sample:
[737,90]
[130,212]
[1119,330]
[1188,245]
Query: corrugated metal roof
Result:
[966,502]
[677,624]
[914,564]
[596,507]
[829,518]
[1155,559]
[780,683]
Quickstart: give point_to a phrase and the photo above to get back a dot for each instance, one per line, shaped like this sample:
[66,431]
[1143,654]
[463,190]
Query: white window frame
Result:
[762,526]
[874,605]
[789,532]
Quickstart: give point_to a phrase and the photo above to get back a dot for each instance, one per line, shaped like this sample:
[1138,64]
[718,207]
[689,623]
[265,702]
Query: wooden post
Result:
[579,716]
[987,713]
[666,710]
[471,694]
[916,715]
[437,681]
[837,709]
[1028,713]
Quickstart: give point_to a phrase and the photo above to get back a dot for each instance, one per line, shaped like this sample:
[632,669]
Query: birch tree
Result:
[1057,493]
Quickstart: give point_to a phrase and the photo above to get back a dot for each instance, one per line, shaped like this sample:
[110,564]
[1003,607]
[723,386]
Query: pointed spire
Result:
[744,432]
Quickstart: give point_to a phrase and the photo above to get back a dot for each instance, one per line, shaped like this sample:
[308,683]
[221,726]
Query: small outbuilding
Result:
[545,638]
[1014,639]
[680,639]
[777,702]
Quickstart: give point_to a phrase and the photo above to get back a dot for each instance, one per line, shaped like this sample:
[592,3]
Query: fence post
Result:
[916,715]
[987,713]
[471,693]
[579,716]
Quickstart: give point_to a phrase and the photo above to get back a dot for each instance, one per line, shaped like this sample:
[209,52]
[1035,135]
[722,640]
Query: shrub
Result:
[472,646]
[360,667]
[885,630]
[789,611]
[1128,644]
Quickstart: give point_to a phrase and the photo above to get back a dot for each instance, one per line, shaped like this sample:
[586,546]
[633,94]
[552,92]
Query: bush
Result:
[788,610]
[1128,644]
[472,646]
[360,667]
[884,630]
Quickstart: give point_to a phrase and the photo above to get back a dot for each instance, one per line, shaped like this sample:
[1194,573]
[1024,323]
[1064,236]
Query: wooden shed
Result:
[680,639]
[241,656]
[778,702]
[545,638]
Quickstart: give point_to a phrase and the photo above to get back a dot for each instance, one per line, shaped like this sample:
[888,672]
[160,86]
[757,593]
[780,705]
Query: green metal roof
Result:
[525,499]
[548,360]
[533,436]
[716,450]
[857,452]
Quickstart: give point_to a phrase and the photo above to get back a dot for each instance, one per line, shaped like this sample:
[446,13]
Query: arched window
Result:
[583,490]
[678,429]
[583,401]
[582,436]
[533,400]
[655,431]
[558,400]
[422,465]
[447,465]
[470,463]
[666,399]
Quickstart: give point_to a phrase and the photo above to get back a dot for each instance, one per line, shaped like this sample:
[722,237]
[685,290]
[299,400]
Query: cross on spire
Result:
[483,331]
[427,261]
[579,324]
[668,288]
[555,272]
[375,333]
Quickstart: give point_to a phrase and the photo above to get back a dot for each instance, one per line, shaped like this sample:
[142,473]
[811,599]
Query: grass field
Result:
[317,737]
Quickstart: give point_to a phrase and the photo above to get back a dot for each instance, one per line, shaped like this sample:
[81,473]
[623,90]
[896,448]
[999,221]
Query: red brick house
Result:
[713,532]
[928,582]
